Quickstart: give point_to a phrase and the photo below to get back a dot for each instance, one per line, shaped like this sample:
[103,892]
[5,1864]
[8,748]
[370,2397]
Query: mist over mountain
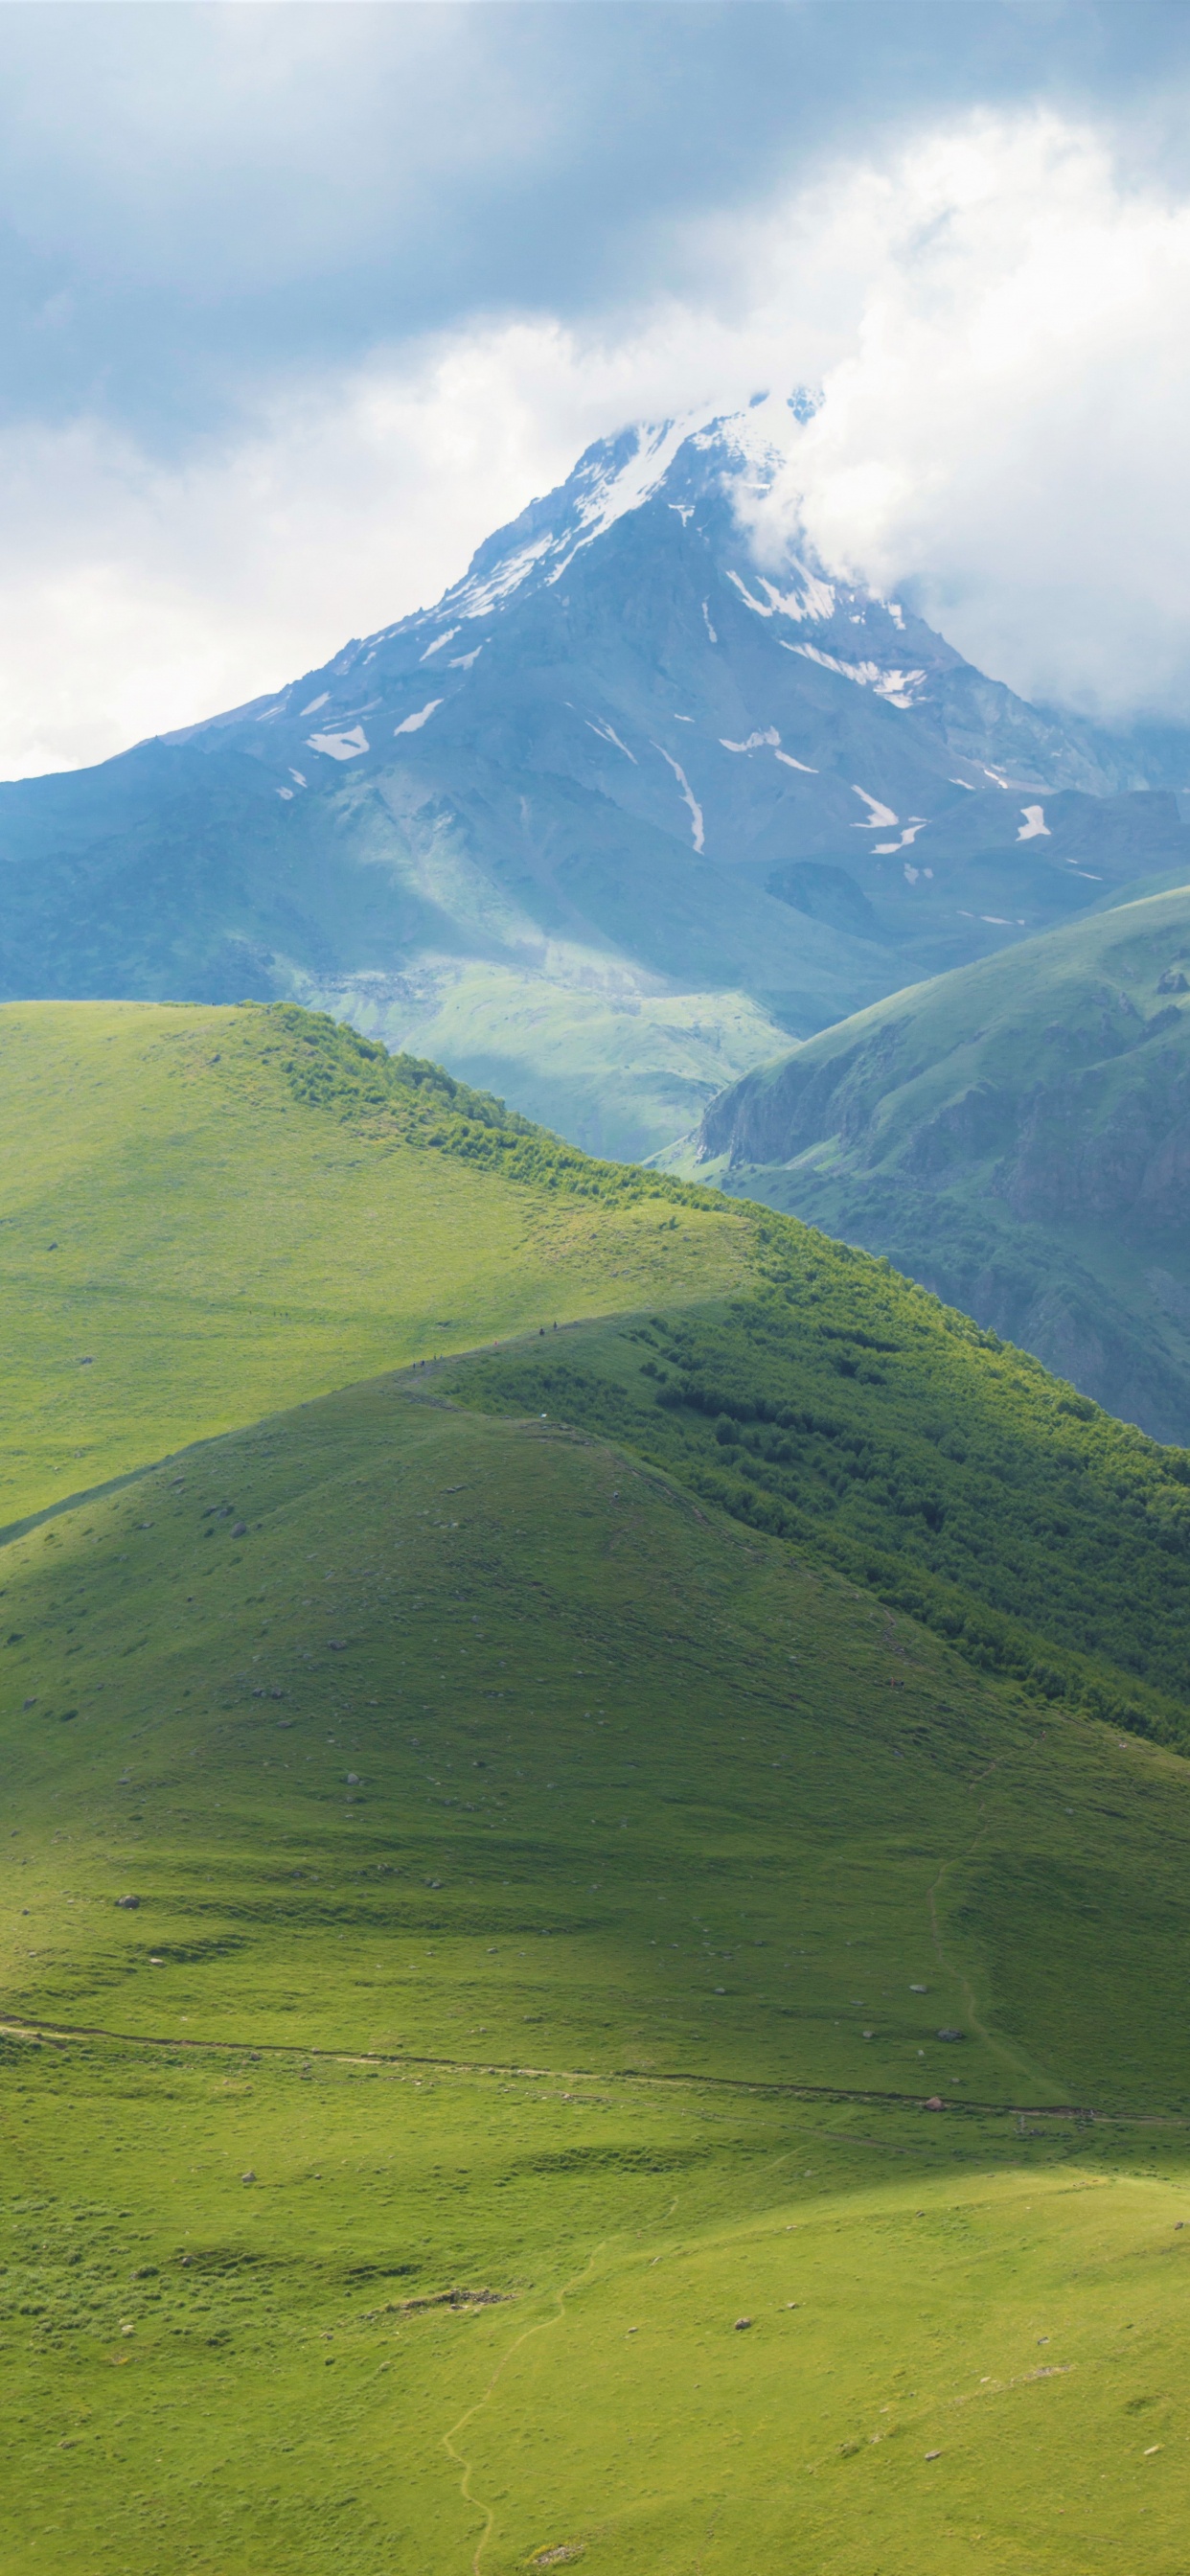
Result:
[609,824]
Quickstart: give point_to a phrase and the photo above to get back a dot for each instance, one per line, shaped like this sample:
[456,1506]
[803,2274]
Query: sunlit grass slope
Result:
[208,1213]
[508,1828]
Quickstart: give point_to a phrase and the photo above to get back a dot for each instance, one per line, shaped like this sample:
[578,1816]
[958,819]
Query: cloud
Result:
[142,594]
[1006,433]
[995,306]
[197,201]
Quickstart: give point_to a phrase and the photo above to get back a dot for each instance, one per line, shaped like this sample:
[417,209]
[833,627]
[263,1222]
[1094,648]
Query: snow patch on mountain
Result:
[607,733]
[815,599]
[625,485]
[901,688]
[340,746]
[889,849]
[696,822]
[614,477]
[754,441]
[478,598]
[770,740]
[881,817]
[414,723]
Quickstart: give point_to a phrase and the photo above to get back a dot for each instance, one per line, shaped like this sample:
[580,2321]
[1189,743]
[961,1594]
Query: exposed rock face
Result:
[1089,1149]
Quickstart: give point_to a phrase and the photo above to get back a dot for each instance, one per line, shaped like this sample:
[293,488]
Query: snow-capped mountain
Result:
[603,827]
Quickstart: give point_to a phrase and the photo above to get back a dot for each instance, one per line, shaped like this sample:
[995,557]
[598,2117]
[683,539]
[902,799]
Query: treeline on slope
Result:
[845,1410]
[328,1065]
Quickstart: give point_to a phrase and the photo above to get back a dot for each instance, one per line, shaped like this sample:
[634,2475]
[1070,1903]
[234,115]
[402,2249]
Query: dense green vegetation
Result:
[1013,1135]
[330,1066]
[207,1213]
[894,1440]
[638,1803]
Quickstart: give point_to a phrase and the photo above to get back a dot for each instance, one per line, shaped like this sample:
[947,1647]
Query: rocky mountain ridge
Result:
[599,830]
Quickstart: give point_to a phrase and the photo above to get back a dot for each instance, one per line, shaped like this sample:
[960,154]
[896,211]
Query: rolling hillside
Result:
[208,1213]
[1013,1135]
[250,1207]
[472,2148]
[450,1815]
[603,827]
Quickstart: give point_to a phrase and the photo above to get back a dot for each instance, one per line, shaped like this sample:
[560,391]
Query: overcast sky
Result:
[297,302]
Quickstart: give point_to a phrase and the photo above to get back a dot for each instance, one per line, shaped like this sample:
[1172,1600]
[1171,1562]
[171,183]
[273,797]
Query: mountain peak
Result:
[607,825]
[686,457]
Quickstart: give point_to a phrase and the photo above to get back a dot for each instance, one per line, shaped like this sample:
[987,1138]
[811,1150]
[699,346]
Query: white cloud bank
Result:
[1008,430]
[1000,323]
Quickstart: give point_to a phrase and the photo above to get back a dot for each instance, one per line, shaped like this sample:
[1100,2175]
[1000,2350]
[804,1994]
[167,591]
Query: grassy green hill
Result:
[1012,1134]
[205,1213]
[550,1895]
[888,1437]
[572,1798]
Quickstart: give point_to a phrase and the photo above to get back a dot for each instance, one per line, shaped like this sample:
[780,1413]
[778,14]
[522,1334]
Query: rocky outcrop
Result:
[1095,1149]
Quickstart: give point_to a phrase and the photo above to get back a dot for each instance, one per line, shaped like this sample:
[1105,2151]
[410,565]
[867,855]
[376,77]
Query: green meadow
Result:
[631,2045]
[205,1214]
